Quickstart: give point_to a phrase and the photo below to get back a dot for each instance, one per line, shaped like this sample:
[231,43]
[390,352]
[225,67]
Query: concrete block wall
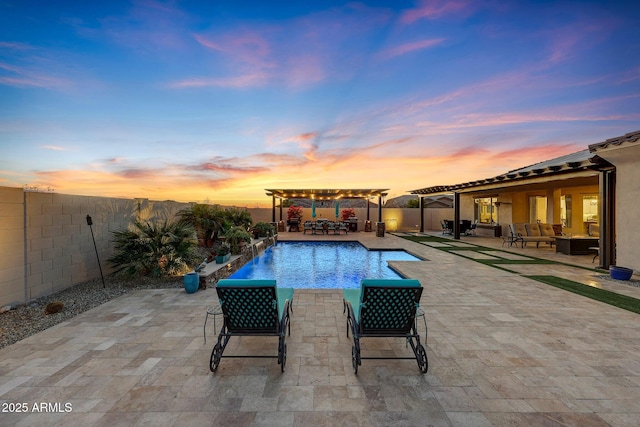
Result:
[46,244]
[12,245]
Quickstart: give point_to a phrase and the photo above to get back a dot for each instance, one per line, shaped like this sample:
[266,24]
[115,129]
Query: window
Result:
[566,210]
[486,211]
[537,209]
[590,208]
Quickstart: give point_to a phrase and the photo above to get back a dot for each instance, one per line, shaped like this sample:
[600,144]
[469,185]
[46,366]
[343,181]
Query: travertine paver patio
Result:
[503,350]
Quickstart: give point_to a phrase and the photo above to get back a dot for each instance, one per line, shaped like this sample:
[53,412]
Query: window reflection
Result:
[486,211]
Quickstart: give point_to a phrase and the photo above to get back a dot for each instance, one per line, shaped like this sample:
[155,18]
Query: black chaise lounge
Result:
[384,308]
[253,308]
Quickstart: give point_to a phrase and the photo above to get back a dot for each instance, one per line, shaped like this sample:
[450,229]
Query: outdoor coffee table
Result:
[578,245]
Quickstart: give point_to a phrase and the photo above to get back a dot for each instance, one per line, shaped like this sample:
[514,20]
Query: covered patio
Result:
[334,195]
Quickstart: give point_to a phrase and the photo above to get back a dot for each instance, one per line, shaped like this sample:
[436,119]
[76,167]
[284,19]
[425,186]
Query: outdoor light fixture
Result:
[90,223]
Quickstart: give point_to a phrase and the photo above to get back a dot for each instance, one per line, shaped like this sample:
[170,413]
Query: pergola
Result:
[326,194]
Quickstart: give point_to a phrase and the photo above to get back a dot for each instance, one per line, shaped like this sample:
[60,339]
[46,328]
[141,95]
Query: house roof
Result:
[570,163]
[326,194]
[627,139]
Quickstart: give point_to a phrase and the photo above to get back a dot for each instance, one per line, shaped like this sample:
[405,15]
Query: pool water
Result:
[322,265]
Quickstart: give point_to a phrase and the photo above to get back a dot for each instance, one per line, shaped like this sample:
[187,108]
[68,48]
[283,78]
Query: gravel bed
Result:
[26,320]
[631,282]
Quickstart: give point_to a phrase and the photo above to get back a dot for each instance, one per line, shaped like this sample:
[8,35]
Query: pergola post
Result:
[421,214]
[367,209]
[273,208]
[281,200]
[379,208]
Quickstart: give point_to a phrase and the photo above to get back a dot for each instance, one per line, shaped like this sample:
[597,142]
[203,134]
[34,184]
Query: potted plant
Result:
[620,273]
[294,212]
[262,229]
[236,237]
[223,254]
[348,213]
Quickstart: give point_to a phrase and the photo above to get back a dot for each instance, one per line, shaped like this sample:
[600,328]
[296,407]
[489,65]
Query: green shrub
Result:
[239,217]
[263,229]
[154,249]
[235,236]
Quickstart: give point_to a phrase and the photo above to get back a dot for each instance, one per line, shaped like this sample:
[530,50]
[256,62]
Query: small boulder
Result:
[54,307]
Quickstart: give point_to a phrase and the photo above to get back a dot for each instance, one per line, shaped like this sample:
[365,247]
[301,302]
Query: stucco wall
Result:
[626,158]
[400,219]
[627,210]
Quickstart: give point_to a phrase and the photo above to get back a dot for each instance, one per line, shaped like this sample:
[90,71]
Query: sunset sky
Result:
[218,100]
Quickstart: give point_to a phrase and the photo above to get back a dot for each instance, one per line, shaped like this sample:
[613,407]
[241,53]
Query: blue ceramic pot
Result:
[191,282]
[620,273]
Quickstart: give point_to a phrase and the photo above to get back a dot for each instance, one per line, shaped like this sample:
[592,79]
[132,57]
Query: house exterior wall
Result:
[626,159]
[627,210]
[513,206]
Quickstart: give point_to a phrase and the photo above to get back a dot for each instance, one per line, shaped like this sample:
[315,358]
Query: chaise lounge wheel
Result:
[216,355]
[421,357]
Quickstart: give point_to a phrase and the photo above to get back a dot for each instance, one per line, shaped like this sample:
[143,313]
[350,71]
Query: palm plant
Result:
[239,217]
[154,248]
[208,220]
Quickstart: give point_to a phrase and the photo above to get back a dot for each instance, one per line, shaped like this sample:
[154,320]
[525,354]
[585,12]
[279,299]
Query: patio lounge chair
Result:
[343,226]
[253,308]
[384,308]
[308,226]
[447,226]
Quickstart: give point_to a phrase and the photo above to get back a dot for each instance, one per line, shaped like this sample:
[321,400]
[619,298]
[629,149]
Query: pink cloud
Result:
[239,81]
[295,53]
[20,76]
[522,157]
[148,26]
[409,47]
[434,9]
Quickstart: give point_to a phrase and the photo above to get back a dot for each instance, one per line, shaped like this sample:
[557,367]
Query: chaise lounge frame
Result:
[387,308]
[253,308]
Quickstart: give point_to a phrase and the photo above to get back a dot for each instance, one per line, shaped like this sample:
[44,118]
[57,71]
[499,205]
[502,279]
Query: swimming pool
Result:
[322,265]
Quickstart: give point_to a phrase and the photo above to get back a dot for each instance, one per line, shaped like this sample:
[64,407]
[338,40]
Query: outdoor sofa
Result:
[532,232]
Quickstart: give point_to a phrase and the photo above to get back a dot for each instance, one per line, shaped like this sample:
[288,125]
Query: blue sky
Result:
[217,101]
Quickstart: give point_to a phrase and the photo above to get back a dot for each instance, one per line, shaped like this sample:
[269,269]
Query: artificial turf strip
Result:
[533,259]
[426,239]
[607,297]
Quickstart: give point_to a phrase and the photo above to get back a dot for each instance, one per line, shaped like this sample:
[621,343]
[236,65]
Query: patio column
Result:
[367,208]
[281,200]
[456,216]
[607,218]
[379,208]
